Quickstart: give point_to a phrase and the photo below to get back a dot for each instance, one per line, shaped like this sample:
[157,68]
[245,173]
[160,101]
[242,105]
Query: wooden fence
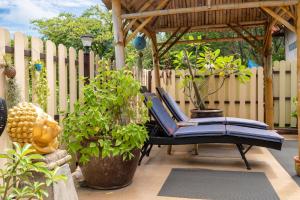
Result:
[284,89]
[64,67]
[236,99]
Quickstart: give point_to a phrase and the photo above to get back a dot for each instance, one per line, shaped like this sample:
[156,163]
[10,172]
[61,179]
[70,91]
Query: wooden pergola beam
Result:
[174,42]
[132,22]
[239,33]
[145,22]
[298,70]
[268,79]
[288,12]
[219,7]
[249,24]
[248,32]
[279,18]
[228,39]
[169,39]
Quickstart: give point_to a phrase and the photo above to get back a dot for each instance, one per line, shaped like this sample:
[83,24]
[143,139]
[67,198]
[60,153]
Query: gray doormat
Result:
[286,158]
[217,185]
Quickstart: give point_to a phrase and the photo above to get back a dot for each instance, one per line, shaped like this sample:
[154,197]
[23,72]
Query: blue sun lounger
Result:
[181,117]
[164,131]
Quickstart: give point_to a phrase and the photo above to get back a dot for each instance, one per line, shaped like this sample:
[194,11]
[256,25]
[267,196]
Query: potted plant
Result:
[202,64]
[9,69]
[106,129]
[295,115]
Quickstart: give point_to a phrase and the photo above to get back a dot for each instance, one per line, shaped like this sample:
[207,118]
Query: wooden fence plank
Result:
[242,98]
[80,72]
[211,87]
[19,61]
[260,94]
[92,64]
[293,92]
[232,96]
[221,96]
[73,78]
[282,85]
[4,41]
[4,138]
[51,72]
[63,83]
[36,50]
[253,88]
[181,92]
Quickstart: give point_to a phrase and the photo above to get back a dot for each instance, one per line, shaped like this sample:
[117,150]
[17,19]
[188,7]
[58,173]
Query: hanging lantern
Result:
[139,43]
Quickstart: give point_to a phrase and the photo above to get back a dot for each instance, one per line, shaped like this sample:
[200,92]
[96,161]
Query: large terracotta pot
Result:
[196,113]
[111,172]
[297,165]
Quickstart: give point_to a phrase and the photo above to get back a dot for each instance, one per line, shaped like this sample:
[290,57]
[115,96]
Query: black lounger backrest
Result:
[172,105]
[160,114]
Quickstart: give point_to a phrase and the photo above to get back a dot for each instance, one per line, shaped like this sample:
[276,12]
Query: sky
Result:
[15,15]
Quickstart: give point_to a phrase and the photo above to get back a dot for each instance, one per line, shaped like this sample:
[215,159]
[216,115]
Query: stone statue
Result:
[28,123]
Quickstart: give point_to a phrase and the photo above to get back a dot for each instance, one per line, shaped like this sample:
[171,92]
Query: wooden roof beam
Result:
[238,32]
[248,24]
[132,22]
[208,40]
[279,18]
[174,42]
[219,7]
[288,12]
[145,22]
[169,39]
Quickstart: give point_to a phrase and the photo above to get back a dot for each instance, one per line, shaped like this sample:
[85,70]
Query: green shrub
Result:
[108,120]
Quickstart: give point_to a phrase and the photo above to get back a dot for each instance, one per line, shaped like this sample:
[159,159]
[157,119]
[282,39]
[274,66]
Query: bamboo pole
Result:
[118,34]
[279,18]
[298,71]
[155,60]
[207,40]
[219,7]
[269,115]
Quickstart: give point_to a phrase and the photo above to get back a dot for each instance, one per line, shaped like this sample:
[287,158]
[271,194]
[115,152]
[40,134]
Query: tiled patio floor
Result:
[154,170]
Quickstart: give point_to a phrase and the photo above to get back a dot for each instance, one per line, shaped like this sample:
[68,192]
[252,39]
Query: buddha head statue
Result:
[28,123]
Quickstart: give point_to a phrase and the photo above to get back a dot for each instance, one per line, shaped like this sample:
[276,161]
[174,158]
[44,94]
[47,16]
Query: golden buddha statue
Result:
[28,123]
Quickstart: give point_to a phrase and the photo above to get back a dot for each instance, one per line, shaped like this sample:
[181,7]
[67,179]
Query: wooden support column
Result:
[118,34]
[268,73]
[155,60]
[298,70]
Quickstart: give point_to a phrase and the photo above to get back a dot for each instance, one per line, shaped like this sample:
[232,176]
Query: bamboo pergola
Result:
[179,17]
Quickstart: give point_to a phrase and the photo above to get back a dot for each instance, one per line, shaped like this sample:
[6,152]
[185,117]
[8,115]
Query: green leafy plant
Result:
[40,89]
[202,63]
[108,120]
[17,178]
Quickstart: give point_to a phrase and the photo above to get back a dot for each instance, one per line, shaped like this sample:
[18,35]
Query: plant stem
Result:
[200,103]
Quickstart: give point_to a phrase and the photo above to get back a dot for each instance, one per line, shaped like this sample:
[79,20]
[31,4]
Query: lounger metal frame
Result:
[156,139]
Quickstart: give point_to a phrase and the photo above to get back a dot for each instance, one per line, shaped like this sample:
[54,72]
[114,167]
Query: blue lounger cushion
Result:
[253,133]
[180,116]
[198,131]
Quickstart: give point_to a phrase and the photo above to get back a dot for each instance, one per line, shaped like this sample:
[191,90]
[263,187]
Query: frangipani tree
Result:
[202,63]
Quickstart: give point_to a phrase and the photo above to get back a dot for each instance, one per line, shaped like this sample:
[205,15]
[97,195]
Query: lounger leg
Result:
[149,150]
[196,149]
[143,152]
[169,149]
[240,148]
